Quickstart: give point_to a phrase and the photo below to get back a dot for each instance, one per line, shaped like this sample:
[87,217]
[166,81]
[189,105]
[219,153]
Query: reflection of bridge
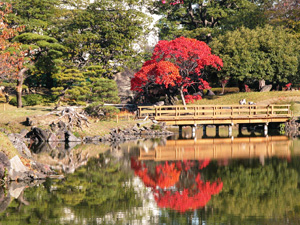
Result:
[194,115]
[225,148]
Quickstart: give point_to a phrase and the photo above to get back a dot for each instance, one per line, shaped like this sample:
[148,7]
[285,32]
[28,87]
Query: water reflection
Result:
[179,185]
[253,180]
[222,148]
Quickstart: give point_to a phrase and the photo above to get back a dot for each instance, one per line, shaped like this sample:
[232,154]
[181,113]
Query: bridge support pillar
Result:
[230,130]
[204,131]
[194,131]
[266,129]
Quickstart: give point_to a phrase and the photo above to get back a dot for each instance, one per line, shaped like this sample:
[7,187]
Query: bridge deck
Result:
[216,114]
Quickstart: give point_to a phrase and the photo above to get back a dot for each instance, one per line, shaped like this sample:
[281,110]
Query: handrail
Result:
[214,111]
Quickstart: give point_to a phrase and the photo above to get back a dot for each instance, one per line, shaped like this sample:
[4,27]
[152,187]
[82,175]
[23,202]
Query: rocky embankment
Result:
[59,136]
[292,128]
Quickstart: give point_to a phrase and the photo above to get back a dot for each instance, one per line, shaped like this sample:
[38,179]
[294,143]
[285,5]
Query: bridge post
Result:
[194,130]
[266,129]
[230,130]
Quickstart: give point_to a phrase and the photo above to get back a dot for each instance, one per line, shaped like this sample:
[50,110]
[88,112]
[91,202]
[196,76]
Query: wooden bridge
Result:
[193,115]
[216,114]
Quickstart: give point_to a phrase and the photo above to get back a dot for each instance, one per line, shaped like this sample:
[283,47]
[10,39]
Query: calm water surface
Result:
[244,180]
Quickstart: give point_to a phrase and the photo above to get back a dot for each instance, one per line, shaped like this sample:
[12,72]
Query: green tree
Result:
[283,13]
[104,34]
[46,53]
[266,53]
[37,16]
[89,86]
[202,20]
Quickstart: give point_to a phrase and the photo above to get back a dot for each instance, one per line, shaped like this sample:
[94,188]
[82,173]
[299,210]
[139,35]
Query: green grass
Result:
[7,147]
[273,97]
[229,99]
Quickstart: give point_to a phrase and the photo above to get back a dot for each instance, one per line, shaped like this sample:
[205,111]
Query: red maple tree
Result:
[182,60]
[12,58]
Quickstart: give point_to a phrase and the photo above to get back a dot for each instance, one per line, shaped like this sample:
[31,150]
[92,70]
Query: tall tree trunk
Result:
[19,86]
[182,97]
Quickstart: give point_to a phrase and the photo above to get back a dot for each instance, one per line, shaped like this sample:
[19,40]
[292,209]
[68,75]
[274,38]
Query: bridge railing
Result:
[214,111]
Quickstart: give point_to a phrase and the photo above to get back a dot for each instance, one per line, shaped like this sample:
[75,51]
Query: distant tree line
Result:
[74,48]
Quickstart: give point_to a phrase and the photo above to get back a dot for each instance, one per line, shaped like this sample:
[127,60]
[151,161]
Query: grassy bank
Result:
[12,118]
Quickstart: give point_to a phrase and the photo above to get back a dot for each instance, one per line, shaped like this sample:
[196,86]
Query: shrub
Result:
[33,99]
[226,90]
[13,101]
[102,112]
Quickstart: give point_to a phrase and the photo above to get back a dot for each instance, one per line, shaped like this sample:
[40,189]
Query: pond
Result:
[241,180]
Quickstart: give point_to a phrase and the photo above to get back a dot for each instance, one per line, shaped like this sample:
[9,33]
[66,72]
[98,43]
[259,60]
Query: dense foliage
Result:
[266,53]
[175,67]
[57,37]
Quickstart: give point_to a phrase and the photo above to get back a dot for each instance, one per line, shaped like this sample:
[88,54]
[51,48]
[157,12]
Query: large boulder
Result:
[210,93]
[266,88]
[39,134]
[18,142]
[70,137]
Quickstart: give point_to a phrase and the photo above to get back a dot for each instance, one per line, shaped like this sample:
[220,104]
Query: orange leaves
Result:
[165,175]
[10,61]
[162,73]
[177,63]
[178,186]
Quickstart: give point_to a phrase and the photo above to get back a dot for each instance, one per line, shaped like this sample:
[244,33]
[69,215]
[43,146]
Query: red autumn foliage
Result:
[10,61]
[189,198]
[165,175]
[192,98]
[163,73]
[189,56]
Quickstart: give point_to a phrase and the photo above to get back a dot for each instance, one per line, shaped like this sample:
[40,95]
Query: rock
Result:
[19,143]
[30,122]
[70,137]
[17,165]
[61,135]
[266,88]
[17,169]
[52,138]
[198,93]
[23,132]
[62,126]
[4,164]
[160,103]
[41,135]
[210,93]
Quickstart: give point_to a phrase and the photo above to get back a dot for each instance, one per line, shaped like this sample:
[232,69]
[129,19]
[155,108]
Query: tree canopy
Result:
[266,53]
[176,66]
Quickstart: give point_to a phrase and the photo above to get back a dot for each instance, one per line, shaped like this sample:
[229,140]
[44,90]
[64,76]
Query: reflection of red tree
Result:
[187,199]
[165,175]
[195,196]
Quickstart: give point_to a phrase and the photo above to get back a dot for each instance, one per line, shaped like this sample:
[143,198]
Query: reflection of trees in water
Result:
[177,185]
[252,190]
[93,191]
